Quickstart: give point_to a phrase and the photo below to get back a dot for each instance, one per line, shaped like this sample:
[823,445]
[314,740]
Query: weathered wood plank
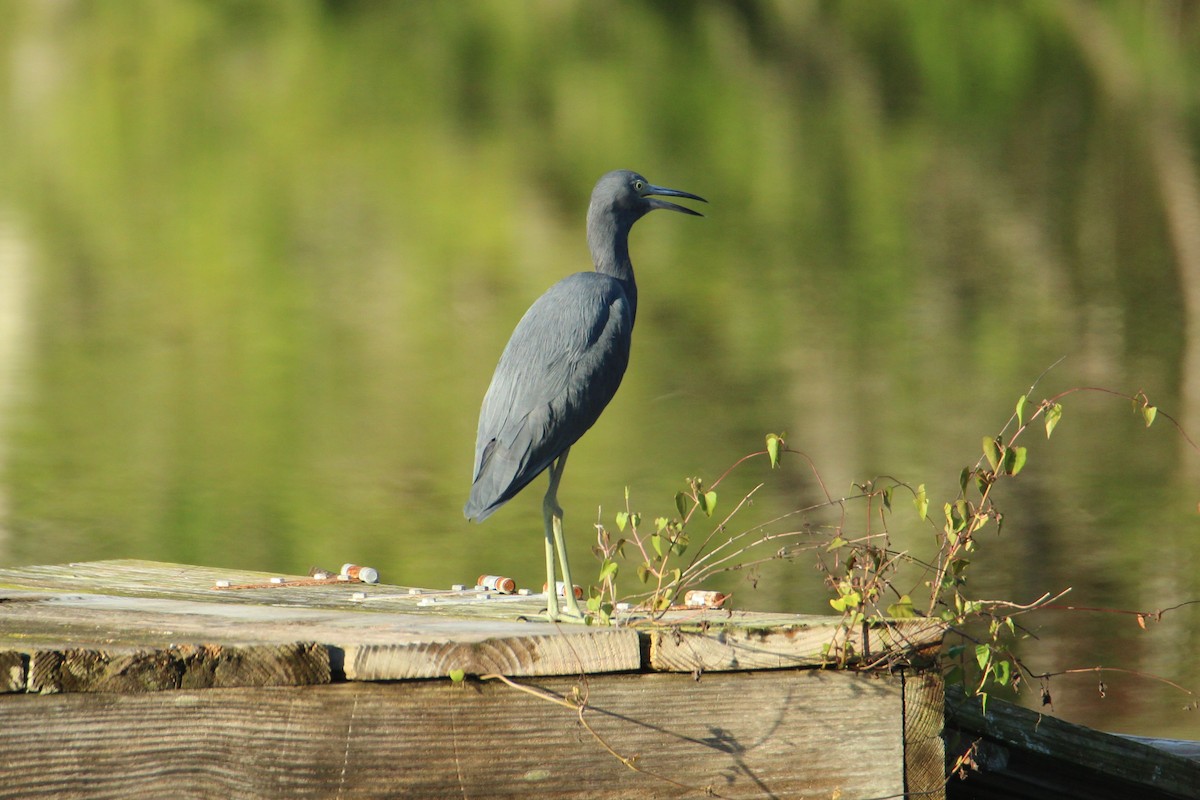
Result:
[925,750]
[81,642]
[742,642]
[13,669]
[777,734]
[150,579]
[1024,754]
[381,632]
[1184,748]
[185,666]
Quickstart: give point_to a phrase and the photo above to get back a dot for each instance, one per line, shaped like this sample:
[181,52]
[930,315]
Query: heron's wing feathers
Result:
[560,369]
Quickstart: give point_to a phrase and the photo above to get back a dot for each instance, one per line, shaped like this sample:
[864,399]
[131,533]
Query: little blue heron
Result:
[562,365]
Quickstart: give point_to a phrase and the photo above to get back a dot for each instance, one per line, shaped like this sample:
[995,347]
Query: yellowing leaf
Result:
[1053,415]
[773,443]
[921,501]
[902,608]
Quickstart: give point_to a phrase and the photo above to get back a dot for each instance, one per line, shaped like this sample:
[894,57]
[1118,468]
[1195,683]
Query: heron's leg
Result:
[548,514]
[552,513]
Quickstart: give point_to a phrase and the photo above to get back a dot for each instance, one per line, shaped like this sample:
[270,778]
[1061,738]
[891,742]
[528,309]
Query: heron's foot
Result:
[569,613]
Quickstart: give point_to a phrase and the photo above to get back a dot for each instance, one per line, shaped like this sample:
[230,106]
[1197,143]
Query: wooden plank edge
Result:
[1184,748]
[924,747]
[576,653]
[717,648]
[14,671]
[178,666]
[1109,759]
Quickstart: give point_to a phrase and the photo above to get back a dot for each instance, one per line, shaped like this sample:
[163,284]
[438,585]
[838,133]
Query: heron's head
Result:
[628,197]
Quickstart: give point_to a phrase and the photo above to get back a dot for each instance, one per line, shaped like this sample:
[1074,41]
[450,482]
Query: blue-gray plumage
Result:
[562,366]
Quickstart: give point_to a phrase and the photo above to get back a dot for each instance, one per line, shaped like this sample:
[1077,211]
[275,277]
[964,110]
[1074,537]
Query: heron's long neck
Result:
[608,241]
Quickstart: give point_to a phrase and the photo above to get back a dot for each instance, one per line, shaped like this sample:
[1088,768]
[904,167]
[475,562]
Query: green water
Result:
[257,261]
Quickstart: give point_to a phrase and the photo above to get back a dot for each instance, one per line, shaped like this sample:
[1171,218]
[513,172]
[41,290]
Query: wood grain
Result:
[114,624]
[745,643]
[184,666]
[924,749]
[13,670]
[778,734]
[84,642]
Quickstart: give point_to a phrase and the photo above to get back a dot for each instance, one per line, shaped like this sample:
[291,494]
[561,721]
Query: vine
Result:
[855,553]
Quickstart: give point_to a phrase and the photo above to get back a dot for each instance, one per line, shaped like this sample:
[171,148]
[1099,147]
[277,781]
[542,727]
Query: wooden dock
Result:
[1023,755]
[130,678]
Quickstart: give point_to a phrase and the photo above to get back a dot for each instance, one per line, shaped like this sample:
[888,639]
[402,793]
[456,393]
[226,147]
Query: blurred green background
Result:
[257,262]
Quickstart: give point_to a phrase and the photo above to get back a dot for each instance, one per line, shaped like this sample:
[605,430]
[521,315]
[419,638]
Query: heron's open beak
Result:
[665,192]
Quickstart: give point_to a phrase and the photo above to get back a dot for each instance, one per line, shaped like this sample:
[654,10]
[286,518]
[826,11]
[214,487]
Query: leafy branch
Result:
[855,551]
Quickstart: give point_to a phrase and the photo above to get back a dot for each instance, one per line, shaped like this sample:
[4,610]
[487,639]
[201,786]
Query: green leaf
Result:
[609,570]
[963,477]
[956,515]
[1021,410]
[656,543]
[1019,456]
[838,603]
[660,523]
[983,696]
[1002,669]
[921,501]
[1053,415]
[887,498]
[902,608]
[773,443]
[643,572]
[837,542]
[622,518]
[983,654]
[710,502]
[991,449]
[681,504]
[1148,414]
[457,675]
